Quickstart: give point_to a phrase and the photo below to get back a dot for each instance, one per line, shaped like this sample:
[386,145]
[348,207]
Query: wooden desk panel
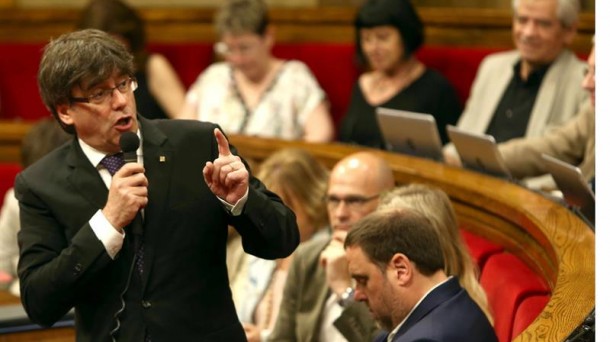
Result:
[548,237]
[46,335]
[448,26]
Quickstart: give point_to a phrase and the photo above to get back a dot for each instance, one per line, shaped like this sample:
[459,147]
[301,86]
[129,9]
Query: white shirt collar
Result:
[95,156]
[395,330]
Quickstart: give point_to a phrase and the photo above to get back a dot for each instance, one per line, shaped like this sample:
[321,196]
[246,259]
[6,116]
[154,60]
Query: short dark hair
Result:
[82,58]
[384,233]
[397,13]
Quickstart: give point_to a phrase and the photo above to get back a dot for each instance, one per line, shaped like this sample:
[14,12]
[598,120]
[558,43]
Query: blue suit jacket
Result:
[447,314]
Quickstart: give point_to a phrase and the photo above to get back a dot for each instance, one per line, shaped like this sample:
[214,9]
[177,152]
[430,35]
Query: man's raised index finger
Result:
[223,143]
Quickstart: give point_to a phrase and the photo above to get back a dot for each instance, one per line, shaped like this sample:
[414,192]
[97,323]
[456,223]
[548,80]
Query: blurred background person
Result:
[572,142]
[526,91]
[44,136]
[300,181]
[160,92]
[388,33]
[253,92]
[436,206]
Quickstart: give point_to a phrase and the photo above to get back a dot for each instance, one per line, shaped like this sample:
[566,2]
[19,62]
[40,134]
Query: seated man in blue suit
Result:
[395,257]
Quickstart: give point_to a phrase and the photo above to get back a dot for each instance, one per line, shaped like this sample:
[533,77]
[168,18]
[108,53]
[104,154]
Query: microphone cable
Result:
[122,308]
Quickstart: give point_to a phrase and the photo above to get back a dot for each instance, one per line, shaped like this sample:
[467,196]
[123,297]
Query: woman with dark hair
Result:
[160,92]
[388,33]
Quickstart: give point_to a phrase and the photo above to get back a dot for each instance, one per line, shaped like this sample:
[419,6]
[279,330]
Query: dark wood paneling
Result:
[485,27]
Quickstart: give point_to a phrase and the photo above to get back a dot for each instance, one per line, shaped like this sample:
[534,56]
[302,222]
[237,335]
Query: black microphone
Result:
[129,143]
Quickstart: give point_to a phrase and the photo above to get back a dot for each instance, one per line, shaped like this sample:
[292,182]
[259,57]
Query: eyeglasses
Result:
[352,202]
[100,96]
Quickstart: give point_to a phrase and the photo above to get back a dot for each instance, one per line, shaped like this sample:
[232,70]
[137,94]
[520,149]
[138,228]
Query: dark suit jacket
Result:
[447,314]
[184,293]
[305,295]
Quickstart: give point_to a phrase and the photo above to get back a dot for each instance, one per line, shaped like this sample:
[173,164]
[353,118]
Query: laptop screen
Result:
[410,133]
[478,152]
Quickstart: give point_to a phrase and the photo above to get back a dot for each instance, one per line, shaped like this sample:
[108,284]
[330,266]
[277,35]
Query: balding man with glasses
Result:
[318,300]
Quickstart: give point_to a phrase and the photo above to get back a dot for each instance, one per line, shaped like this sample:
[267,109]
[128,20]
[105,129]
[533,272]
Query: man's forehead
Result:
[96,80]
[358,261]
[548,8]
[355,256]
[349,185]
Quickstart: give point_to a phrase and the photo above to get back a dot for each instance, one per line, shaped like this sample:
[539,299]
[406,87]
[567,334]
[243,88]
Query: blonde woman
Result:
[300,181]
[436,206]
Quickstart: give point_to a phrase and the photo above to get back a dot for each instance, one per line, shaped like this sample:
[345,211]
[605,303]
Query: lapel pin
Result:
[162,159]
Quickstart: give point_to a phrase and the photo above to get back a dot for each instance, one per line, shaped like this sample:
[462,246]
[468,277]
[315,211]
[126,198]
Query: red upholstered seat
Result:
[527,312]
[19,98]
[333,65]
[508,281]
[8,171]
[480,249]
[458,64]
[188,59]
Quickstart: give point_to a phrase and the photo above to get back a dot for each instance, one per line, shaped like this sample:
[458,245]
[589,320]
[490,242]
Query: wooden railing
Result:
[444,26]
[549,238]
[63,334]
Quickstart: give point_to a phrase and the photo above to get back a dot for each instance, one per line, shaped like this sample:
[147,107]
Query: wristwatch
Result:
[347,297]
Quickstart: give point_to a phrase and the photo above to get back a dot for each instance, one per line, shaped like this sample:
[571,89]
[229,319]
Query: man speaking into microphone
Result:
[134,239]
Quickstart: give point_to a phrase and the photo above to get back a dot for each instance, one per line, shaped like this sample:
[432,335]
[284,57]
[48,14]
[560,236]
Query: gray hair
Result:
[242,16]
[567,11]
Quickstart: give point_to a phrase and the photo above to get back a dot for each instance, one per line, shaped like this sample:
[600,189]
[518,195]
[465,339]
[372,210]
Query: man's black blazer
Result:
[183,294]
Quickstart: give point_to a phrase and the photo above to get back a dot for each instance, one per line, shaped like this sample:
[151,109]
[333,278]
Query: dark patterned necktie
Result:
[113,162]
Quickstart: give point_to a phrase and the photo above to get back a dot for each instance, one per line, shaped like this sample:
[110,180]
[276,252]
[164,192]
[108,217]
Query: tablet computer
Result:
[573,186]
[411,133]
[478,152]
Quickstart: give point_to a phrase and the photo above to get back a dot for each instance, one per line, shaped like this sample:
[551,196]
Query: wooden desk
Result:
[548,237]
[47,335]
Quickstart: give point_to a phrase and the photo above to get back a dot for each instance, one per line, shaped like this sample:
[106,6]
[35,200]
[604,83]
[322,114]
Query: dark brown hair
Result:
[384,233]
[79,59]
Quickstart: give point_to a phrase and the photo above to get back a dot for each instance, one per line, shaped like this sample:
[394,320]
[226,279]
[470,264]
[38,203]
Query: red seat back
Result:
[458,64]
[19,97]
[508,281]
[188,59]
[334,67]
[480,248]
[527,312]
